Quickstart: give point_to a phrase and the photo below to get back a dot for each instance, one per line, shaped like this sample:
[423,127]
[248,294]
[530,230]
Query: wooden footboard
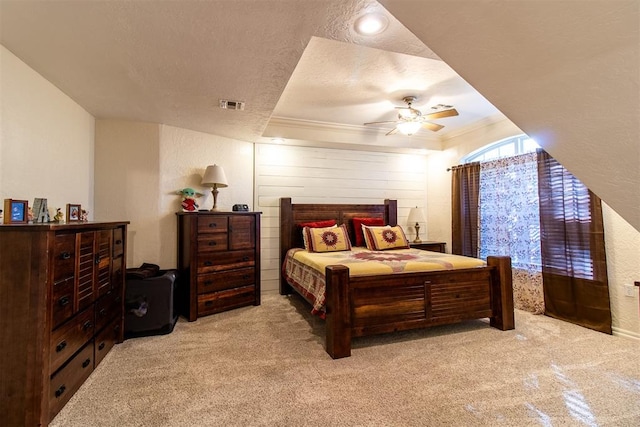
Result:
[359,306]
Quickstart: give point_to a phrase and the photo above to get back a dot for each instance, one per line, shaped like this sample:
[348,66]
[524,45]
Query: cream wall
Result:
[622,241]
[154,162]
[46,140]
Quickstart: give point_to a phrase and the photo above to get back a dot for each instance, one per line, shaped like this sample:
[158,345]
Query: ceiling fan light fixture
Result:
[409,128]
[371,24]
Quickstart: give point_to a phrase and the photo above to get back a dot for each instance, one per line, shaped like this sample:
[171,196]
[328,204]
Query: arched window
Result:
[512,146]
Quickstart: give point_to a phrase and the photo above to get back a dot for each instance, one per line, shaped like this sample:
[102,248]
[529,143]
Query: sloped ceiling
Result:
[566,72]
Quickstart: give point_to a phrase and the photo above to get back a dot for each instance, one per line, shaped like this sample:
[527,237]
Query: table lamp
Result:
[416,217]
[214,177]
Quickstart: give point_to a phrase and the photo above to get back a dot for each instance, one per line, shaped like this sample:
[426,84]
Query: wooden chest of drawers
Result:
[218,261]
[61,299]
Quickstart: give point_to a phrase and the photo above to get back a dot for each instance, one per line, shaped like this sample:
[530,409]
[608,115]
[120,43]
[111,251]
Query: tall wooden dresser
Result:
[61,311]
[218,261]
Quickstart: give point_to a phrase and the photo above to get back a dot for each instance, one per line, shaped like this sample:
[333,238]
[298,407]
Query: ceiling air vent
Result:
[231,105]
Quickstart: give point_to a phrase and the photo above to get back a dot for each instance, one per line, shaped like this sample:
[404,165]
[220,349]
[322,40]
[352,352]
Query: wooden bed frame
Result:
[366,305]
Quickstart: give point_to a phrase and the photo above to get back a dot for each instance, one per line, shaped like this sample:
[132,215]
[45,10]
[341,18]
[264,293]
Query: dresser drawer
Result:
[212,242]
[212,262]
[106,339]
[226,280]
[212,224]
[108,307]
[68,338]
[62,301]
[66,382]
[64,256]
[215,302]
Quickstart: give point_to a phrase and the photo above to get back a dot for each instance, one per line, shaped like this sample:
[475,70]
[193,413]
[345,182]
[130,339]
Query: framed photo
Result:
[16,211]
[73,212]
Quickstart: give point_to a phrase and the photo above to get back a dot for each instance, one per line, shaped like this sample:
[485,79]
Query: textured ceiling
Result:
[170,62]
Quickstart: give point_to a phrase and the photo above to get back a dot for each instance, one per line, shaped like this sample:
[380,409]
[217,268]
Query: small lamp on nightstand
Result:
[214,177]
[416,217]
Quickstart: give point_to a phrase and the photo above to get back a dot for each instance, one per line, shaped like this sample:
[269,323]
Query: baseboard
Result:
[626,334]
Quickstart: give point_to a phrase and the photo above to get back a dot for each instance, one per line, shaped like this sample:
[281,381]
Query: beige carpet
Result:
[266,366]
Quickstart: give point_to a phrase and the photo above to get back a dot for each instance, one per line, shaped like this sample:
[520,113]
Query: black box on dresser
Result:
[61,299]
[218,261]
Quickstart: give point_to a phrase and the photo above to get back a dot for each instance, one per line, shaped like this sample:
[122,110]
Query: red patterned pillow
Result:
[318,224]
[357,227]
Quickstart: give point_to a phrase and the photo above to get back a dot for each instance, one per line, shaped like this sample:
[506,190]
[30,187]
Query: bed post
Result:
[501,293]
[286,220]
[338,310]
[391,212]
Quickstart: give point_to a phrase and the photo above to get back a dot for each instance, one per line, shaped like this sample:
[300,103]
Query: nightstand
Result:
[428,245]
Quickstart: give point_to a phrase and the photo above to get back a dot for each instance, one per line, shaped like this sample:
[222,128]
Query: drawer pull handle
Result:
[87,325]
[208,283]
[208,303]
[246,276]
[208,263]
[212,243]
[60,390]
[86,363]
[102,312]
[213,224]
[61,346]
[101,346]
[63,301]
[65,255]
[245,258]
[97,259]
[118,242]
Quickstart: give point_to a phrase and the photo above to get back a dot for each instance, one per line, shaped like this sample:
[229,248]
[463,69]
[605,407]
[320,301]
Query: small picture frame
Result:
[16,211]
[73,212]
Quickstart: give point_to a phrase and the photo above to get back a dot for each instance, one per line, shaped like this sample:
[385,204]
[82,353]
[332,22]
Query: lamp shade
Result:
[214,177]
[416,216]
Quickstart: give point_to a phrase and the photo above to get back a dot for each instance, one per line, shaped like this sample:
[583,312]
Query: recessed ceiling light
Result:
[277,140]
[371,24]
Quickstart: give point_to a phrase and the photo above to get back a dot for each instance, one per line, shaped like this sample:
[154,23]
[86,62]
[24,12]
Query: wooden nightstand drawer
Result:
[212,224]
[226,280]
[429,246]
[215,302]
[209,263]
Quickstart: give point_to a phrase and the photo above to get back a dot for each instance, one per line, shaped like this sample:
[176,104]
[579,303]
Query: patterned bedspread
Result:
[305,270]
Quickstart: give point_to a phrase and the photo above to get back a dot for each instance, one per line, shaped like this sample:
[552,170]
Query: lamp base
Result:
[214,191]
[417,239]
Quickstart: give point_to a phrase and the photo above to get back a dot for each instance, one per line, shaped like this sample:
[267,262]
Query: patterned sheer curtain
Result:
[510,223]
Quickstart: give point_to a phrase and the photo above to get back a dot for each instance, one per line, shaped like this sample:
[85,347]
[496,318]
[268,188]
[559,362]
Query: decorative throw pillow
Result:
[327,239]
[382,238]
[314,224]
[357,227]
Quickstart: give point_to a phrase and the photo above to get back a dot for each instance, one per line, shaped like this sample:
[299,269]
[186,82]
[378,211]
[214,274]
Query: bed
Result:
[360,305]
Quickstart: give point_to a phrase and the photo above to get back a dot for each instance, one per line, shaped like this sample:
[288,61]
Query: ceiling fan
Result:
[411,120]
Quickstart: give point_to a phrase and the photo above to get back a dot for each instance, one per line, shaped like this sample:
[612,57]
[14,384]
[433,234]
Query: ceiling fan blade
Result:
[440,114]
[432,126]
[378,123]
[391,132]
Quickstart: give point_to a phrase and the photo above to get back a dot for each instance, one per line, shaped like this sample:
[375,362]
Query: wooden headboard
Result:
[293,214]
